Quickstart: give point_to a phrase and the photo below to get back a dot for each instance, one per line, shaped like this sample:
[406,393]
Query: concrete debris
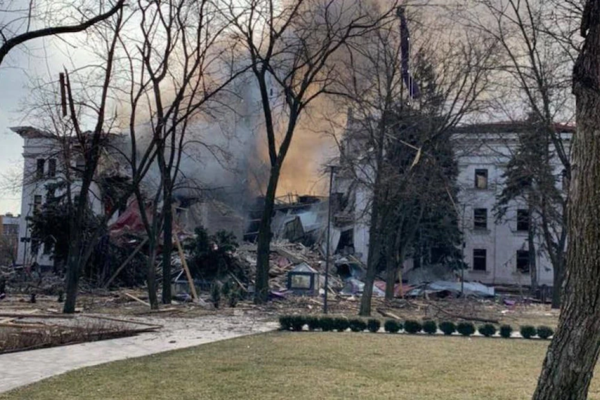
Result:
[447,288]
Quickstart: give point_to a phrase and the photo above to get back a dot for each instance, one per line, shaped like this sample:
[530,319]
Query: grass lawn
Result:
[314,366]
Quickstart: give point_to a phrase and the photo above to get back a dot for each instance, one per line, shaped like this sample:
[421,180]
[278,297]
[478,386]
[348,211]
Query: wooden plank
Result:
[122,320]
[27,326]
[185,268]
[7,320]
[137,299]
[41,316]
[127,261]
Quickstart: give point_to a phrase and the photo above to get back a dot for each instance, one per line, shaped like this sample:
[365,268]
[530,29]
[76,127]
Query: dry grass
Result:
[314,366]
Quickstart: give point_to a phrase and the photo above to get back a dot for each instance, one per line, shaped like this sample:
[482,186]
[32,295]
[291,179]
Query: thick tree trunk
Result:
[261,294]
[558,274]
[569,364]
[167,246]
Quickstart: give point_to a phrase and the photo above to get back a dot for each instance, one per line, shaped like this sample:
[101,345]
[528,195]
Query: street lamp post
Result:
[328,244]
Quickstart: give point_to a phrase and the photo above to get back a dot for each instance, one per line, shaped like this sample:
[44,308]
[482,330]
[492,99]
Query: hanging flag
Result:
[413,87]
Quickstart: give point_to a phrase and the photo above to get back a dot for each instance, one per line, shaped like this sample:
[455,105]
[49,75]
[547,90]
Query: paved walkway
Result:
[19,369]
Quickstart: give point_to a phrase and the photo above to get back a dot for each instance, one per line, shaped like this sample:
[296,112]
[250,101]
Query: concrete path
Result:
[19,369]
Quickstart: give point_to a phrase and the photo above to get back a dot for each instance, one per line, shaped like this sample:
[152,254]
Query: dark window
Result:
[479,259]
[481,179]
[523,261]
[523,220]
[480,218]
[40,168]
[52,167]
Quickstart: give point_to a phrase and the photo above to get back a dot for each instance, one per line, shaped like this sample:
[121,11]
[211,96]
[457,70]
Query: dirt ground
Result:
[117,304]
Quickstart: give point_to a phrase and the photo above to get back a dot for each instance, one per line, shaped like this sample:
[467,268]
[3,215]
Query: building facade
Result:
[48,160]
[495,250]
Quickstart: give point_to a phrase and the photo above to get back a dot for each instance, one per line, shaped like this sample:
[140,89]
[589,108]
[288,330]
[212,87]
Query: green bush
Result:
[411,326]
[373,325]
[506,331]
[357,325]
[430,327]
[313,323]
[487,330]
[448,327]
[327,324]
[465,328]
[528,331]
[392,326]
[298,322]
[341,324]
[285,322]
[544,332]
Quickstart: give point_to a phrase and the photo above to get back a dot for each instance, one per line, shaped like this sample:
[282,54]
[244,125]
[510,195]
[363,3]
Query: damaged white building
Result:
[496,252]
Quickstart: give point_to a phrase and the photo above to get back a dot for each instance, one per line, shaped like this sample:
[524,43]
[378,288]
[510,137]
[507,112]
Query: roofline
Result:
[508,127]
[29,132]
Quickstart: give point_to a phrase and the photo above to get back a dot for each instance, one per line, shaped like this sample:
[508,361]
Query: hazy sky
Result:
[39,59]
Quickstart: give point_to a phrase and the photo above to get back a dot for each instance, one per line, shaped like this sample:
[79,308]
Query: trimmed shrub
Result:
[327,324]
[448,327]
[357,325]
[341,324]
[392,326]
[297,322]
[506,331]
[285,322]
[412,326]
[544,332]
[430,327]
[373,325]
[528,331]
[465,328]
[487,330]
[313,323]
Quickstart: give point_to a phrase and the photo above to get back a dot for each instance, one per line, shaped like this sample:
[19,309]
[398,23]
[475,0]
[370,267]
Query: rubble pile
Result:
[282,260]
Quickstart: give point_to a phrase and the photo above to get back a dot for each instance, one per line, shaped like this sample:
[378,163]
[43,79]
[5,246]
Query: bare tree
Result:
[539,48]
[572,356]
[291,47]
[185,63]
[19,24]
[393,115]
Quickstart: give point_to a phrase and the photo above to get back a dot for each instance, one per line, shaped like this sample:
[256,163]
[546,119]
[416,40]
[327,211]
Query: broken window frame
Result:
[480,222]
[479,259]
[481,184]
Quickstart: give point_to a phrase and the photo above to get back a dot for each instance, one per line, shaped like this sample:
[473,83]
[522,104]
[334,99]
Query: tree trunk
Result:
[167,246]
[532,253]
[569,364]
[372,259]
[263,250]
[558,276]
[72,281]
[391,267]
[151,274]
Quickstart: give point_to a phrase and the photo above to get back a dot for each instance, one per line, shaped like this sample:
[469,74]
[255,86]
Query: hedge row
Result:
[342,324]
